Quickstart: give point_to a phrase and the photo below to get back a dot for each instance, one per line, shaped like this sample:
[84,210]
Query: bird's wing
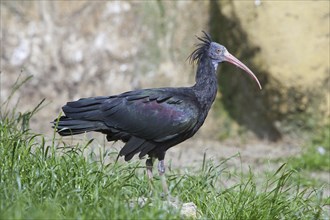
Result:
[152,114]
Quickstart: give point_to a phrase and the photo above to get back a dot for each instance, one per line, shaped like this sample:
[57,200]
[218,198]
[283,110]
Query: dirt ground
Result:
[190,153]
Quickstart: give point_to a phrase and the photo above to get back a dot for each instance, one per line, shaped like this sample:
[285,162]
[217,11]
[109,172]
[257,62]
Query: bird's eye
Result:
[218,51]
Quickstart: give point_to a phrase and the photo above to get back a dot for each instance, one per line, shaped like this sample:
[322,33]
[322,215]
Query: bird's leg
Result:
[161,170]
[149,165]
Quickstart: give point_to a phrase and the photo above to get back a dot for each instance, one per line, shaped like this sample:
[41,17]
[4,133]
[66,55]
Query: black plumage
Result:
[150,121]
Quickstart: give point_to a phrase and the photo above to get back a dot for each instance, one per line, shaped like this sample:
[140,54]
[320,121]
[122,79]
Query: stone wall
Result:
[82,48]
[286,43]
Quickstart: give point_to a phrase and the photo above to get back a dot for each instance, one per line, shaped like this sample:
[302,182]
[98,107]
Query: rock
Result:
[188,210]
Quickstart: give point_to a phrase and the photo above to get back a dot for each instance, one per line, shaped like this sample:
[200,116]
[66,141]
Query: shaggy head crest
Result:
[201,49]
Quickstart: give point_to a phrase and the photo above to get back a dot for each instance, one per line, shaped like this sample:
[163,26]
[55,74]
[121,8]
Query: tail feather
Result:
[81,116]
[70,109]
[84,109]
[94,114]
[66,126]
[84,102]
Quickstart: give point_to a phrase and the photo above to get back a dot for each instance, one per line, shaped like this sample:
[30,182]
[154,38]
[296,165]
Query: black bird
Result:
[150,121]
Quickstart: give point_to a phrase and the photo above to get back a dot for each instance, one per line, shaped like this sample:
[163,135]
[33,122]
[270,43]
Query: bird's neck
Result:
[206,83]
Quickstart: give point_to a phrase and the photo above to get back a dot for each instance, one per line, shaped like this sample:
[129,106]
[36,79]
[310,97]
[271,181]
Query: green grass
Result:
[41,179]
[316,154]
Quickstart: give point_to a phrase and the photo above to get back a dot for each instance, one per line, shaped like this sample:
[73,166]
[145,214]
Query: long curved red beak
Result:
[231,59]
